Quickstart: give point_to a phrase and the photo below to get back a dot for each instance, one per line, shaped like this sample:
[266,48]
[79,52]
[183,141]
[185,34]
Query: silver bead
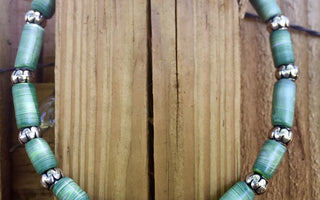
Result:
[283,135]
[35,17]
[51,177]
[278,22]
[20,76]
[27,134]
[257,183]
[287,71]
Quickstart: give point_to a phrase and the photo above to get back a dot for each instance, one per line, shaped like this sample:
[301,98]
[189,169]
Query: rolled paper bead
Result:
[281,46]
[283,103]
[29,47]
[240,191]
[266,9]
[40,154]
[25,105]
[66,188]
[269,158]
[45,7]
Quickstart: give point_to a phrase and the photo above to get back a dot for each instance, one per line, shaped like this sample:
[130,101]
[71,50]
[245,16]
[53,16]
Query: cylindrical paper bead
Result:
[283,103]
[45,7]
[25,105]
[281,46]
[66,188]
[29,47]
[269,158]
[266,8]
[240,191]
[40,154]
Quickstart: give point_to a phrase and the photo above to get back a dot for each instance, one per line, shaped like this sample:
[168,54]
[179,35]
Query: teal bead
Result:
[45,7]
[40,154]
[67,189]
[266,8]
[25,105]
[283,103]
[29,47]
[269,158]
[281,46]
[240,191]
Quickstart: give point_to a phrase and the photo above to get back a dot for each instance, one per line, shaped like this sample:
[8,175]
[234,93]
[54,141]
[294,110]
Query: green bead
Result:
[283,103]
[45,7]
[29,47]
[281,46]
[25,105]
[269,158]
[266,8]
[240,191]
[40,154]
[67,189]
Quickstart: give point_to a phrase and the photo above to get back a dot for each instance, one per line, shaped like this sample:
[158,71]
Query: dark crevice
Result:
[150,105]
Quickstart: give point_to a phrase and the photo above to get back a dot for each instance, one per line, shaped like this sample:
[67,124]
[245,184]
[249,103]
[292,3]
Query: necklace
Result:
[26,106]
[283,105]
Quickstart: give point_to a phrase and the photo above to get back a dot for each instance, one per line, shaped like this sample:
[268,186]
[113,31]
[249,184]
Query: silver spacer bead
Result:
[20,76]
[257,183]
[287,71]
[51,177]
[27,134]
[278,22]
[283,135]
[35,17]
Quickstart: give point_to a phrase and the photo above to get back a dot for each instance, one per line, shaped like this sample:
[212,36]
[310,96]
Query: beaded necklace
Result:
[26,106]
[283,105]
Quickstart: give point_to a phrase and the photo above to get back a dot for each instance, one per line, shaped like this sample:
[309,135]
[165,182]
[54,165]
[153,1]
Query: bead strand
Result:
[283,105]
[27,109]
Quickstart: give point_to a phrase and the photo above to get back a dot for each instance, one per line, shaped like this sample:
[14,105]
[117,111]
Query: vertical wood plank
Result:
[299,169]
[5,102]
[196,88]
[101,91]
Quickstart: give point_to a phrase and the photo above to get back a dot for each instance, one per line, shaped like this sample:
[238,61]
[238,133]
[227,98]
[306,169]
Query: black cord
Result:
[293,26]
[39,66]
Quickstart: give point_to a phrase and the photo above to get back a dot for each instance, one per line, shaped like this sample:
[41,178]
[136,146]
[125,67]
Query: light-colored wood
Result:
[196,92]
[298,173]
[101,92]
[5,93]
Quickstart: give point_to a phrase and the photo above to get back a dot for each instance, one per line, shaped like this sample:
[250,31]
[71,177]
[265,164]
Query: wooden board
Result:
[298,173]
[5,100]
[196,92]
[101,91]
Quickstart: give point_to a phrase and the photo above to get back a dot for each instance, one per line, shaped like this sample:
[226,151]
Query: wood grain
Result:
[196,91]
[5,99]
[101,91]
[299,170]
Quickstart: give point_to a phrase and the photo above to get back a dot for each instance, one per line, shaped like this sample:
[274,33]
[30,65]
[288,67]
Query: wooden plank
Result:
[5,101]
[299,169]
[101,92]
[196,80]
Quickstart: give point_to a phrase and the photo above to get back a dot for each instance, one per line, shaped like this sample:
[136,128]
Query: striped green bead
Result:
[266,8]
[269,158]
[67,189]
[283,103]
[240,191]
[45,7]
[29,47]
[281,46]
[25,105]
[40,154]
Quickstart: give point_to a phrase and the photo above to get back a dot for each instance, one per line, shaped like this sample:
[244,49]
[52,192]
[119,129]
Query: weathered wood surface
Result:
[196,92]
[298,174]
[101,90]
